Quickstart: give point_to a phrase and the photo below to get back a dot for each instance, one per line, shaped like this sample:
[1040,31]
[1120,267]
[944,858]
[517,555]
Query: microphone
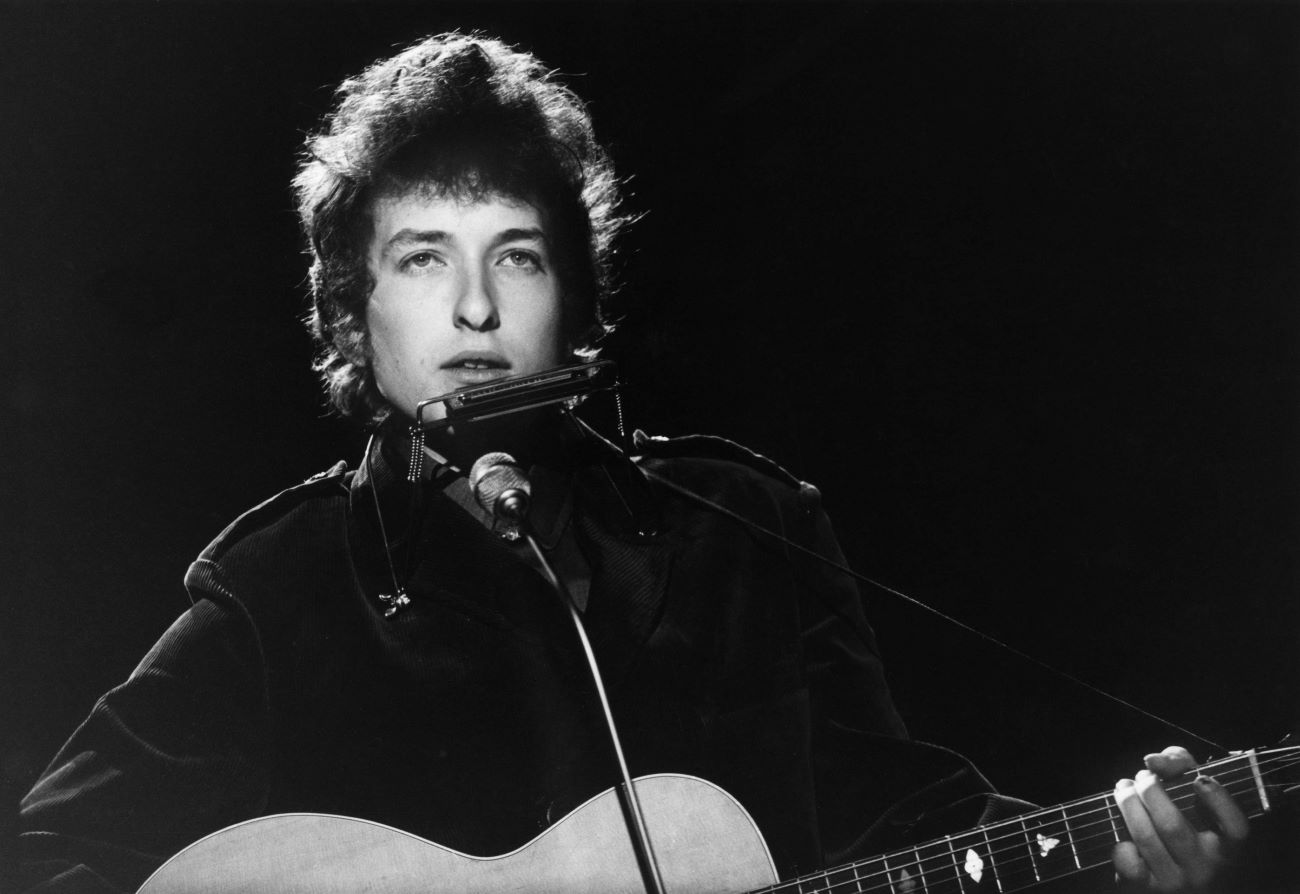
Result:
[501,487]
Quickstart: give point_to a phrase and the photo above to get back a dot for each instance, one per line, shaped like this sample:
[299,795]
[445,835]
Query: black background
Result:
[1014,284]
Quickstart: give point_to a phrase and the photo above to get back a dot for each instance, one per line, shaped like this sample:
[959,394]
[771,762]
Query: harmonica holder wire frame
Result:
[566,385]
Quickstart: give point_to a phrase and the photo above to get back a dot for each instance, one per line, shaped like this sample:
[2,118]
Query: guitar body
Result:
[704,839]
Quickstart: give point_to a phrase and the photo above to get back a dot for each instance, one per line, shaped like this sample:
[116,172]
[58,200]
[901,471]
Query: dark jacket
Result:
[467,717]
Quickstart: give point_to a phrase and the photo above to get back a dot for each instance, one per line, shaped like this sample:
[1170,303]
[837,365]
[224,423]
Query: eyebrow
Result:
[409,236]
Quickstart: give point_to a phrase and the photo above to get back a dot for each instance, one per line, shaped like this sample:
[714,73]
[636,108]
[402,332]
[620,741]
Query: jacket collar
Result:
[571,456]
[619,517]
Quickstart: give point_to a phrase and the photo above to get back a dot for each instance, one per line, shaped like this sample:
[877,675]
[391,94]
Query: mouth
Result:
[477,361]
[470,368]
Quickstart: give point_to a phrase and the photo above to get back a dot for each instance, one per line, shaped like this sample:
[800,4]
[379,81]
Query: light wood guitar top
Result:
[705,841]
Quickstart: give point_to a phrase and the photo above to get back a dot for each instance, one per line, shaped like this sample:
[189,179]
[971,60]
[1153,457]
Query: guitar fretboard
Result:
[1038,846]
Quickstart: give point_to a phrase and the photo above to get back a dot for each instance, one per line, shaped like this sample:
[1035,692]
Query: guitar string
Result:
[1082,822]
[1048,815]
[947,869]
[1245,780]
[943,854]
[1234,763]
[845,569]
[945,859]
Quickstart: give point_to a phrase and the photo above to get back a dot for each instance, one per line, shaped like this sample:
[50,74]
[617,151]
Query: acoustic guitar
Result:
[704,839]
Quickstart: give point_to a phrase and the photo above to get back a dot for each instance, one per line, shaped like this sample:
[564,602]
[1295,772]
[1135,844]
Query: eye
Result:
[420,260]
[521,258]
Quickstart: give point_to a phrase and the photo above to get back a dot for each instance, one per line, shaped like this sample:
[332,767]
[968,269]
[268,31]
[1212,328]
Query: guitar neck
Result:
[1045,844]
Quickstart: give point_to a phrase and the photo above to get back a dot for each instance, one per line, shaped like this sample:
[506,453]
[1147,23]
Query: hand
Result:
[1166,852]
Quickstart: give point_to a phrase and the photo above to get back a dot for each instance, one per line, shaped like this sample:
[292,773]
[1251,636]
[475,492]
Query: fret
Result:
[955,865]
[1014,854]
[1030,845]
[962,864]
[1049,856]
[1259,781]
[905,876]
[974,858]
[1241,776]
[1095,831]
[1238,775]
[1069,835]
[1112,812]
[992,864]
[937,869]
[844,880]
[910,878]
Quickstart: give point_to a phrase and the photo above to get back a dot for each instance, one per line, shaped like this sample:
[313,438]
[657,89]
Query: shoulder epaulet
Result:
[333,471]
[270,512]
[710,447]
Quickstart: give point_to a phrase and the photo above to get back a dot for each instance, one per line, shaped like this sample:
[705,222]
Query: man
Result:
[372,644]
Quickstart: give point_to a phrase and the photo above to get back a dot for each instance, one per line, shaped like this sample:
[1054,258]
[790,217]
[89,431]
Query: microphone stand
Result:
[627,797]
[502,489]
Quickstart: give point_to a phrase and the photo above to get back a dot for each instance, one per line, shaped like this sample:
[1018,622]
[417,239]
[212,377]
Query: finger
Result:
[1232,822]
[1165,873]
[1129,865]
[1171,762]
[1170,825]
[1213,848]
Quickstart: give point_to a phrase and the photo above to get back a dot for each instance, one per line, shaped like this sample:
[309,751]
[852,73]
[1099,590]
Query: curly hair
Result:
[454,115]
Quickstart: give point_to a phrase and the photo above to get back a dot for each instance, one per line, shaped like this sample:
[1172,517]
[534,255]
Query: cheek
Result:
[386,348]
[555,326]
[534,327]
[376,338]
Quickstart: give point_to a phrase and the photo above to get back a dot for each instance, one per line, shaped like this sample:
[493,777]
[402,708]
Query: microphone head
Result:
[500,486]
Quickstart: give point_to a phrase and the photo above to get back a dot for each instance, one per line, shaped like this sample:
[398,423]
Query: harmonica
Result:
[561,385]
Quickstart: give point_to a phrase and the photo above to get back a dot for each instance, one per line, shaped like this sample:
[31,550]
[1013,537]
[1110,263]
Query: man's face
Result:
[464,294]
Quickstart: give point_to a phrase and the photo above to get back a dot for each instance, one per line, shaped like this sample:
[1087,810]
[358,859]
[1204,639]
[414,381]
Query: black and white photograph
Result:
[650,446]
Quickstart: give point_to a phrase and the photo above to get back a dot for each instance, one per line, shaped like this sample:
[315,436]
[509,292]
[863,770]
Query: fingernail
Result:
[1124,783]
[1206,782]
[1150,757]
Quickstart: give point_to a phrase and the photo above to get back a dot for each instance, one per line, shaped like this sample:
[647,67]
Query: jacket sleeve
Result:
[175,752]
[876,788]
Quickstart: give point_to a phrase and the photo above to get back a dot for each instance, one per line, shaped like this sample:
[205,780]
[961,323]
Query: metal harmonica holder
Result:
[561,385]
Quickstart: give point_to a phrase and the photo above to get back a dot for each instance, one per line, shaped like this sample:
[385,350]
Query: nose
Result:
[476,307]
